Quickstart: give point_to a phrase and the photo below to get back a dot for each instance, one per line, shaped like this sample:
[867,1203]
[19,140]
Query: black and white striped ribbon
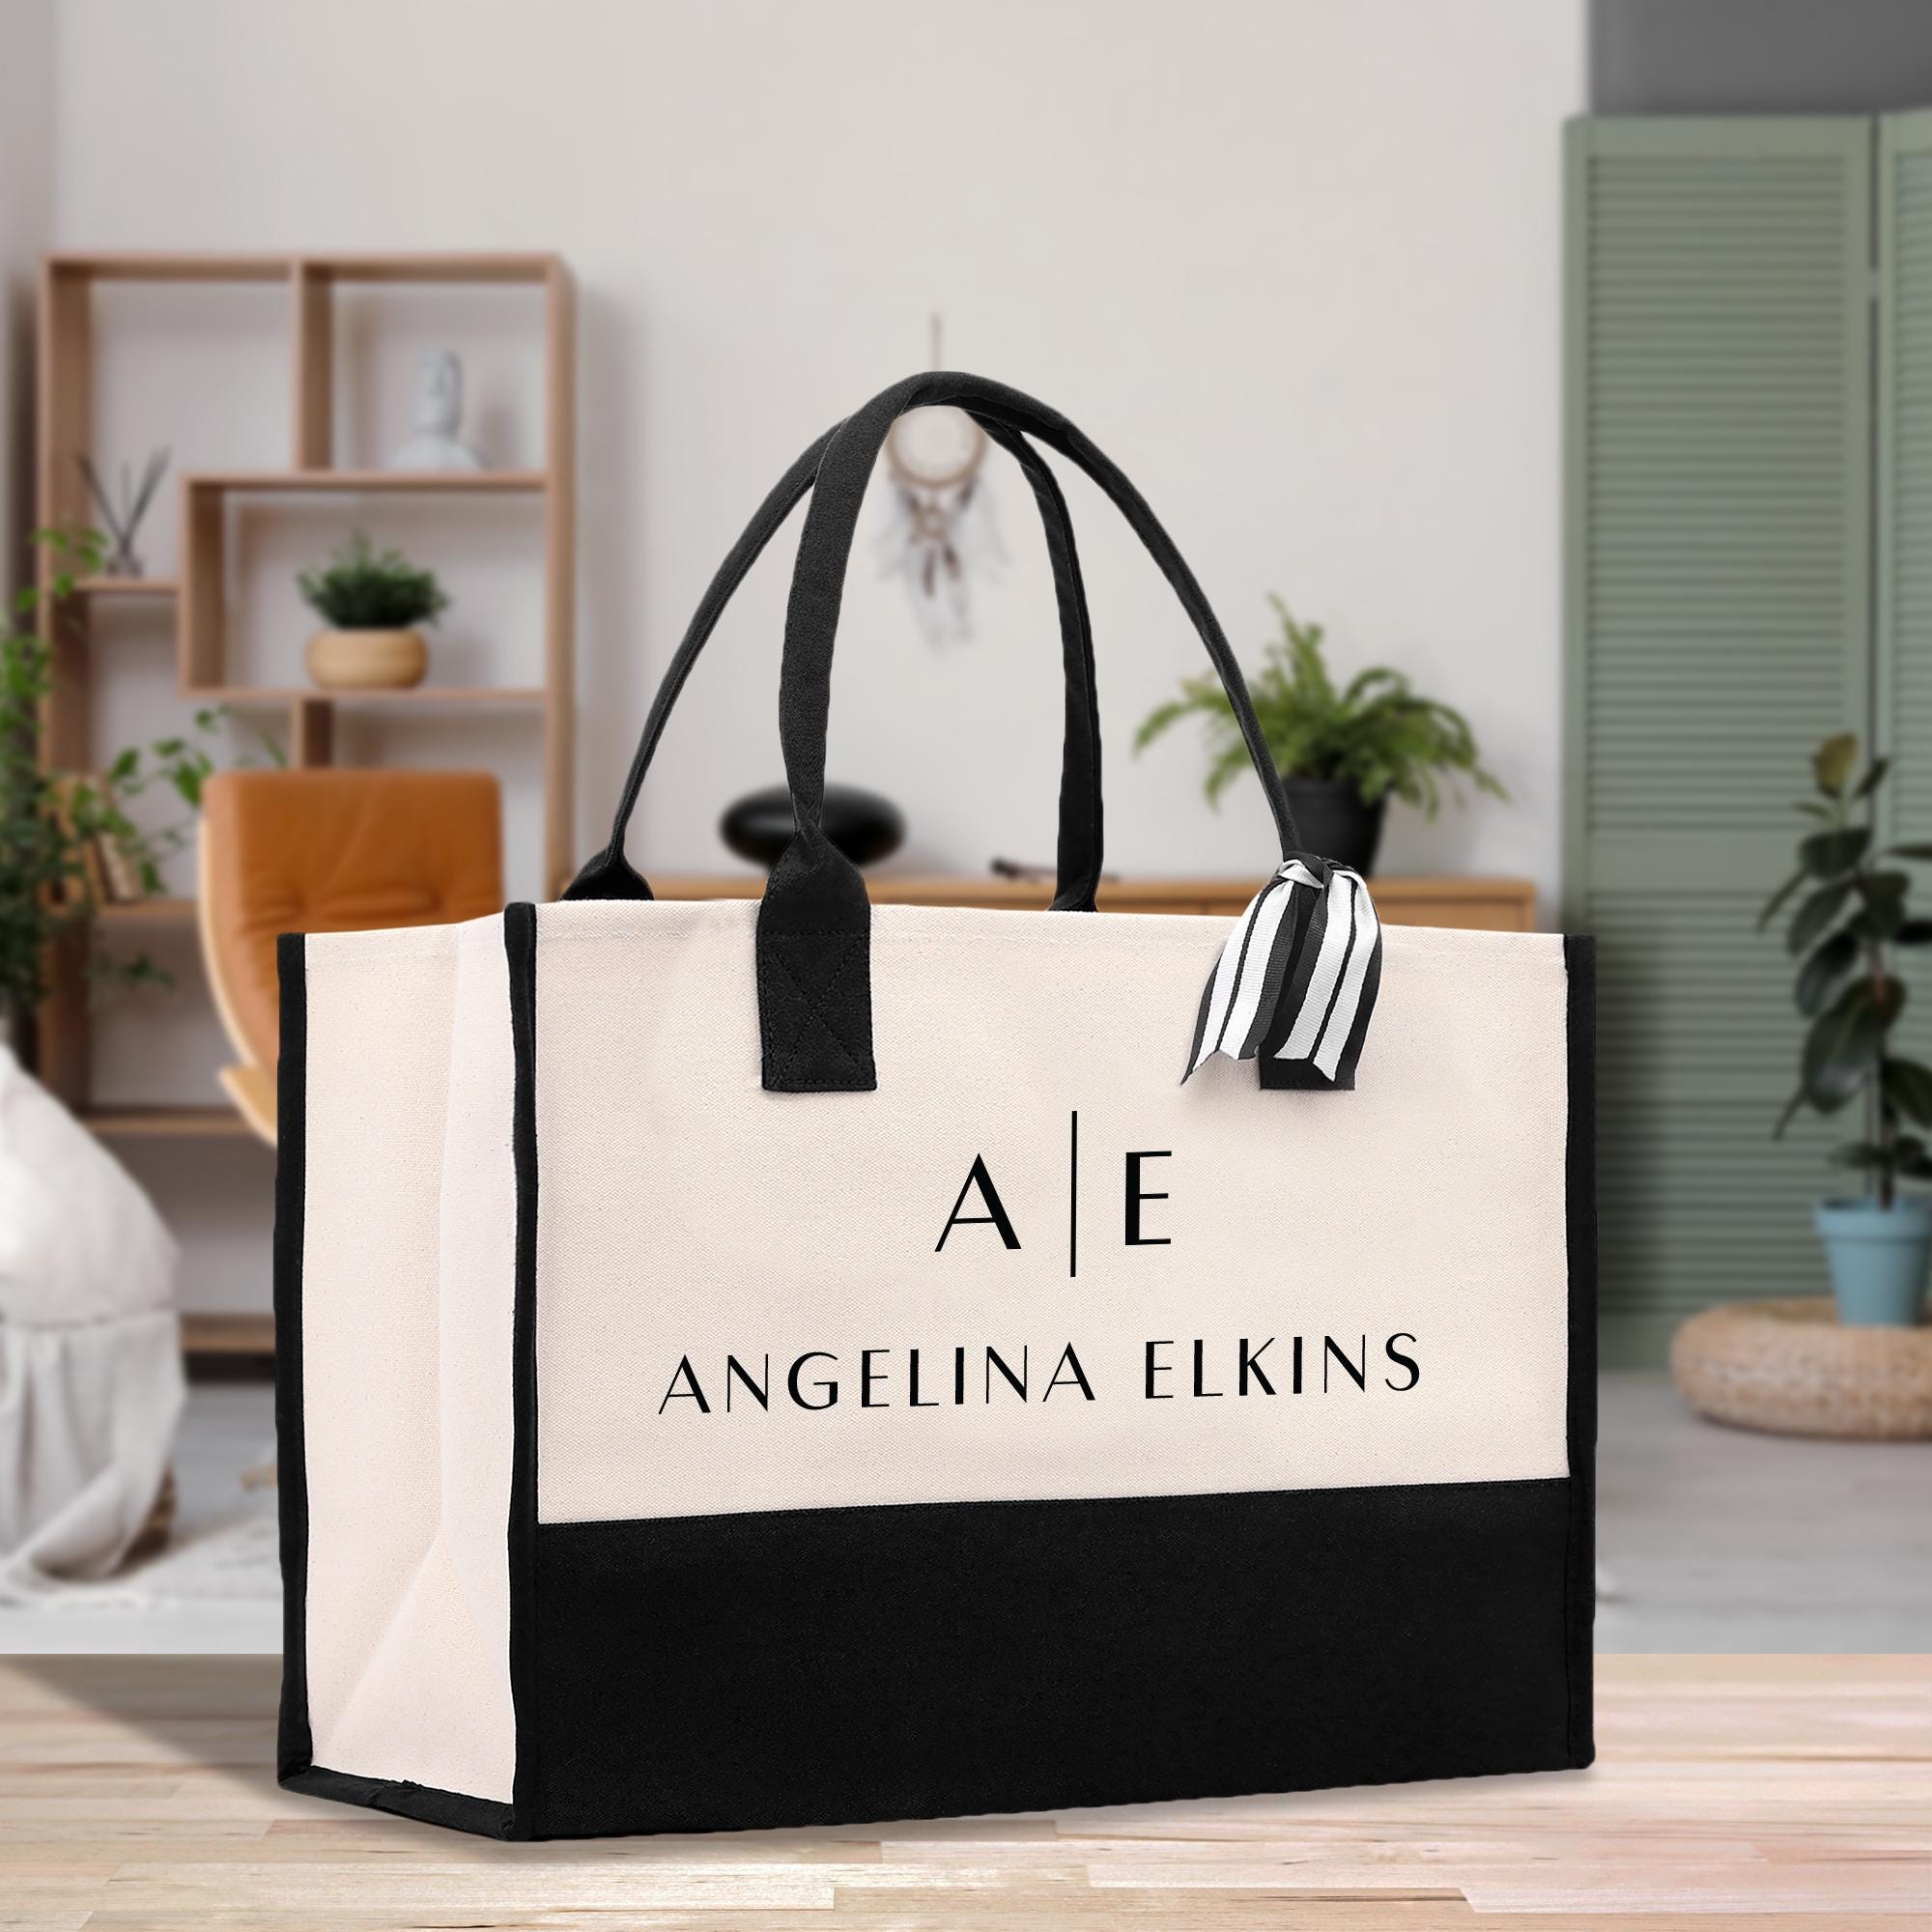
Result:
[1296,985]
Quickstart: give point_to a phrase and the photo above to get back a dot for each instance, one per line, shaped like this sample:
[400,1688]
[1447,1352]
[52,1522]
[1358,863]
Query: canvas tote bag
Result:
[788,1361]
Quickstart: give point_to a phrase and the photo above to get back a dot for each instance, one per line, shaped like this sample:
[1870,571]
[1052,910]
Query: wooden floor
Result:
[134,1792]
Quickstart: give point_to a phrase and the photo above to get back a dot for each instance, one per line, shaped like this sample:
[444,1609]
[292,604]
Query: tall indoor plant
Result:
[1342,752]
[53,824]
[1842,933]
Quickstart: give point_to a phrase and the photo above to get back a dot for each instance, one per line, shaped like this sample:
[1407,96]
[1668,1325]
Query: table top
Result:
[950,888]
[137,1792]
[1493,905]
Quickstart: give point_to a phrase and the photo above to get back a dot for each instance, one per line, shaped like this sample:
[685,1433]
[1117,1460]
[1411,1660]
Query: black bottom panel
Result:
[840,1665]
[454,1809]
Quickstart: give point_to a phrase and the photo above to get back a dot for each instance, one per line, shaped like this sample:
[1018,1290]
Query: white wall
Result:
[1295,262]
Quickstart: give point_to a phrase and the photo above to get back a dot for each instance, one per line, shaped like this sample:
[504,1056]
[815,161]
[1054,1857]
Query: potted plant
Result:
[1876,1244]
[58,829]
[1342,752]
[370,603]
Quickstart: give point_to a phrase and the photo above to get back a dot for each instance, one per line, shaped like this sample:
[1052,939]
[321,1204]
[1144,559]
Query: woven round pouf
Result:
[1791,1366]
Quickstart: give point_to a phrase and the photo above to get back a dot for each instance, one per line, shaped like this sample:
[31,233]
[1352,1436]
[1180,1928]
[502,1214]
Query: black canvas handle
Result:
[609,875]
[815,922]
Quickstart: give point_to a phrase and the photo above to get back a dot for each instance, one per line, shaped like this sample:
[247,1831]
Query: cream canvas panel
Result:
[1415,1227]
[407,1306]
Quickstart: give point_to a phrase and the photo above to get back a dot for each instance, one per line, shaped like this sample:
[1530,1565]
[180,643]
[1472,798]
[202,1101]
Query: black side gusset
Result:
[520,940]
[293,1746]
[1580,1175]
[454,1809]
[295,1769]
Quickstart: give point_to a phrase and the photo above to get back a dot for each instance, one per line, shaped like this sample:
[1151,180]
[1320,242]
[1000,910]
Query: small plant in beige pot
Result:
[371,603]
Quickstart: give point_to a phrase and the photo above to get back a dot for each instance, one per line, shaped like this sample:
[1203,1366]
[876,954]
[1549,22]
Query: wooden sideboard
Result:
[1483,905]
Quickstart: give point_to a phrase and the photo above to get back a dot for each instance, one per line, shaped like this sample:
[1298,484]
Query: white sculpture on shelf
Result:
[438,411]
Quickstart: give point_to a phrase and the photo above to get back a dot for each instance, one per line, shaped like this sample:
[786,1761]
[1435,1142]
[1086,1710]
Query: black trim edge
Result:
[293,1744]
[295,1769]
[1579,1177]
[519,944]
[453,1809]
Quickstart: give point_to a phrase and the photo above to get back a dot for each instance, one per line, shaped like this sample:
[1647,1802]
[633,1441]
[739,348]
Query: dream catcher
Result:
[939,530]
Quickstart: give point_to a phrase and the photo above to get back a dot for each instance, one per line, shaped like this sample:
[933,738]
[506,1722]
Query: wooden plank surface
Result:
[560,648]
[337,482]
[227,1335]
[191,1122]
[1490,905]
[1729,1792]
[81,265]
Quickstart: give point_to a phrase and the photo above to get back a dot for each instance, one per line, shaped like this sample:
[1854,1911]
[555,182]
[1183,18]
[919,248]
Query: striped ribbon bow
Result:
[1296,982]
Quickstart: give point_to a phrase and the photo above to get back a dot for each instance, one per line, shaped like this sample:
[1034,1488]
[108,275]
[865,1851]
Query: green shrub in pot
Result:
[1849,912]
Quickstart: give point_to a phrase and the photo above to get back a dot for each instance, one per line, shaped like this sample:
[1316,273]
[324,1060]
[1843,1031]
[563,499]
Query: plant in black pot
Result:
[1841,933]
[1342,751]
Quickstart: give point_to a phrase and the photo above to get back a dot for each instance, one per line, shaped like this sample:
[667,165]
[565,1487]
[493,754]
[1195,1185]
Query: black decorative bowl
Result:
[860,824]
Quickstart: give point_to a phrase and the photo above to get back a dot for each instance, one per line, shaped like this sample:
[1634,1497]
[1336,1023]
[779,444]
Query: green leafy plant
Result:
[1840,933]
[1373,734]
[52,822]
[362,588]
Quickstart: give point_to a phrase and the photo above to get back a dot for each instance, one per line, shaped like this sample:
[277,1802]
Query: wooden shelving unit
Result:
[65,385]
[157,911]
[126,586]
[202,1124]
[228,1334]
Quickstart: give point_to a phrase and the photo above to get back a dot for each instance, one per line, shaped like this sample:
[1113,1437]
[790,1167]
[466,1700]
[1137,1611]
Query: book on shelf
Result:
[111,873]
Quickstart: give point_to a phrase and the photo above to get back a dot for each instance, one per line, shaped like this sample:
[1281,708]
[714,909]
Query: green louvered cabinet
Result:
[1718,575]
[1903,425]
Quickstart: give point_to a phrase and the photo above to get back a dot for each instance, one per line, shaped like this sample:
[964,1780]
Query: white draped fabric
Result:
[90,1383]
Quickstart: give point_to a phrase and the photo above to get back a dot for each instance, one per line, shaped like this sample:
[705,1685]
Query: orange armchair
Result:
[329,851]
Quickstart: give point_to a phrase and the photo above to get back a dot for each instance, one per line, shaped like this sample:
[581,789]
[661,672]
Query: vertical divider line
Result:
[1073,1194]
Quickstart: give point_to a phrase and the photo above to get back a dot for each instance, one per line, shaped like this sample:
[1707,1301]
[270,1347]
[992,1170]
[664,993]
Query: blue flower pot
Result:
[1878,1258]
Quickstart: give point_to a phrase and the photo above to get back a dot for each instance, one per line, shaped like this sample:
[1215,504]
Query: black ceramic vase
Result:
[860,824]
[1334,823]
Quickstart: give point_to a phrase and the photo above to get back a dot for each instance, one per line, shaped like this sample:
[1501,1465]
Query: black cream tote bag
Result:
[789,1361]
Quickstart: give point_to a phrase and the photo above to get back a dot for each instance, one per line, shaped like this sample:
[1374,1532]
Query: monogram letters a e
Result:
[978,1182]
